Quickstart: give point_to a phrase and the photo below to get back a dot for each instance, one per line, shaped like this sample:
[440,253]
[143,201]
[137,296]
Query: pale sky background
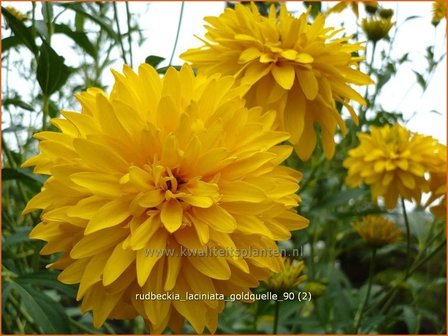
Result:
[158,21]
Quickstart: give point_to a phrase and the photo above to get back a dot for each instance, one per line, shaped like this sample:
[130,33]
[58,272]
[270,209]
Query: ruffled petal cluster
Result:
[298,68]
[437,185]
[394,162]
[289,278]
[160,167]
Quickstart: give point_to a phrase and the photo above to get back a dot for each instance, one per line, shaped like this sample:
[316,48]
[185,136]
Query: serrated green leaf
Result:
[20,30]
[52,72]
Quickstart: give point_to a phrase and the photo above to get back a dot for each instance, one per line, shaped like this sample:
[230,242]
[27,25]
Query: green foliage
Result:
[35,302]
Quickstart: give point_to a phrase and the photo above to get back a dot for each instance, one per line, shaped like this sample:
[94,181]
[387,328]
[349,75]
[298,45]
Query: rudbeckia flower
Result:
[437,185]
[377,231]
[144,183]
[376,28]
[289,278]
[393,161]
[438,11]
[298,68]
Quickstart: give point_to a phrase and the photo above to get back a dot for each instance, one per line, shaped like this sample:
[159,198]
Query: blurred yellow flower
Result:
[377,231]
[297,68]
[438,11]
[289,278]
[155,170]
[376,29]
[392,161]
[16,13]
[437,185]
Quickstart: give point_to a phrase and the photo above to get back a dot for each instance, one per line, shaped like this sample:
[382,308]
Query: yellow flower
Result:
[437,185]
[376,29]
[377,231]
[438,11]
[16,13]
[287,64]
[289,278]
[164,186]
[393,162]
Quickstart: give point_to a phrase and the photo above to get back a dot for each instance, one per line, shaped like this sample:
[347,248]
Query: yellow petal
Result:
[304,58]
[216,217]
[100,157]
[249,55]
[117,263]
[284,75]
[212,266]
[97,242]
[171,215]
[308,83]
[111,214]
[146,259]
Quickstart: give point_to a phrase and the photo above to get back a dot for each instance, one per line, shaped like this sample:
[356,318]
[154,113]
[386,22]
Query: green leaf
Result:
[316,7]
[10,42]
[341,198]
[16,101]
[78,8]
[79,22]
[6,290]
[23,175]
[20,30]
[47,313]
[80,38]
[420,80]
[411,319]
[47,279]
[20,236]
[154,61]
[52,72]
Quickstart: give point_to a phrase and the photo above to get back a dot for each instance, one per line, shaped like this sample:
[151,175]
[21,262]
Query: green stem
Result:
[276,314]
[48,22]
[45,108]
[408,235]
[128,15]
[177,33]
[120,40]
[363,110]
[393,291]
[361,309]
